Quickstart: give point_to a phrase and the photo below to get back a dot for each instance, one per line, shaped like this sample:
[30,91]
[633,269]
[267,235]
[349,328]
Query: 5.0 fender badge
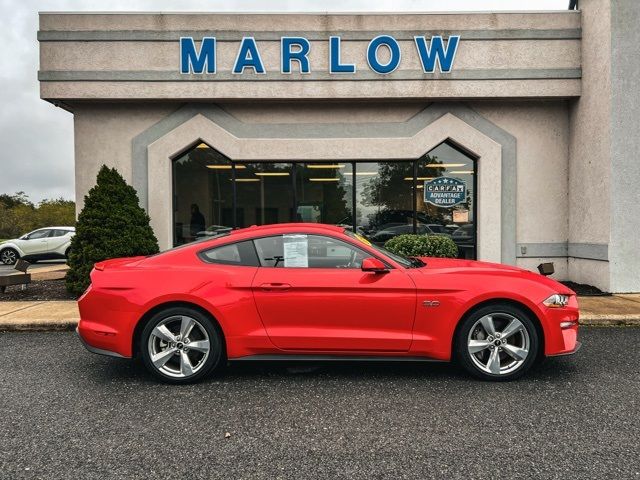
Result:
[431,303]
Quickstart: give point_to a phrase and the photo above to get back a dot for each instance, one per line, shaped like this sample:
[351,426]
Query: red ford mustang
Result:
[317,292]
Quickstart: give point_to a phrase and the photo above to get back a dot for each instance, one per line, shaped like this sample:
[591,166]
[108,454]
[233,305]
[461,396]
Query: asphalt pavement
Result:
[66,413]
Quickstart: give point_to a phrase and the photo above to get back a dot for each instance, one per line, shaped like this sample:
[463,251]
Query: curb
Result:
[64,326]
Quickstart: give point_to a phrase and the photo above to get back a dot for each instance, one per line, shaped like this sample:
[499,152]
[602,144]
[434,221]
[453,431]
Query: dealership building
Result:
[516,134]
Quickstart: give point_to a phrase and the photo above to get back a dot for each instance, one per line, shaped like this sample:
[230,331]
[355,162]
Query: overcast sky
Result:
[37,138]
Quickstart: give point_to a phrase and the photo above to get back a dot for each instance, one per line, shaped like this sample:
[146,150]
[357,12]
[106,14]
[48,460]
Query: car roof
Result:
[286,227]
[72,229]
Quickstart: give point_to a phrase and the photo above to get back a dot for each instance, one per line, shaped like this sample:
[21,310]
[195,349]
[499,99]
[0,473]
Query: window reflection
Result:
[384,199]
[324,193]
[264,193]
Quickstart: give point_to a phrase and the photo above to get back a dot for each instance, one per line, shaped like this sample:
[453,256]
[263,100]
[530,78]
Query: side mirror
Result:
[374,265]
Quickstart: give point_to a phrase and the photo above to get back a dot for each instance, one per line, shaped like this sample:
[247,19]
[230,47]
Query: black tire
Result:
[500,312]
[216,346]
[66,253]
[9,256]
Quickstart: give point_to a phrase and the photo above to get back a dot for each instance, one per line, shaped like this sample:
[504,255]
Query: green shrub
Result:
[422,246]
[112,224]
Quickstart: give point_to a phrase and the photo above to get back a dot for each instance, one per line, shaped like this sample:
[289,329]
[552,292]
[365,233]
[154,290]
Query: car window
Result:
[38,234]
[307,251]
[59,233]
[241,254]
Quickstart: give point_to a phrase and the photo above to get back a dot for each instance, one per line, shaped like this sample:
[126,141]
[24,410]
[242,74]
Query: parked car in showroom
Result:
[310,292]
[48,243]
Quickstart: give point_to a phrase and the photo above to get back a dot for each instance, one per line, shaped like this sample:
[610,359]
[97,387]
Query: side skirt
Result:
[331,358]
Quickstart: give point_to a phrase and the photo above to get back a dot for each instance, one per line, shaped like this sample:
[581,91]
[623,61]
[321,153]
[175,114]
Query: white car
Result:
[42,244]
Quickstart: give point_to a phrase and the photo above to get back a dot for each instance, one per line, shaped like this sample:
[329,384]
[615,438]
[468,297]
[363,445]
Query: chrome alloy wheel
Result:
[9,256]
[179,346]
[498,343]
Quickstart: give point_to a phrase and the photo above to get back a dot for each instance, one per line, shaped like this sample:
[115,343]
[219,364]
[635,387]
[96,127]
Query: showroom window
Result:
[447,206]
[202,194]
[433,195]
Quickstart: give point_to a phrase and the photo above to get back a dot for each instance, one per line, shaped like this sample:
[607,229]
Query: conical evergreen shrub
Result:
[111,225]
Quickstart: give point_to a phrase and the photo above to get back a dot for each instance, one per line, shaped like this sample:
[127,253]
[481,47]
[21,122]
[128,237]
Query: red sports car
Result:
[318,292]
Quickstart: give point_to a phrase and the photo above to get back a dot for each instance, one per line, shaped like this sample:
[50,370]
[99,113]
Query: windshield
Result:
[404,261]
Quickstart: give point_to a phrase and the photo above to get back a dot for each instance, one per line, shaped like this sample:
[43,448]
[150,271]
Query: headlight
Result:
[557,301]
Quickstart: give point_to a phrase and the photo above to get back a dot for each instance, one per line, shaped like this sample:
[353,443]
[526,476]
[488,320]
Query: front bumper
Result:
[577,347]
[98,351]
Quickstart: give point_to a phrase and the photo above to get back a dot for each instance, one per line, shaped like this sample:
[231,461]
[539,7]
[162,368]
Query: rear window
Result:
[240,254]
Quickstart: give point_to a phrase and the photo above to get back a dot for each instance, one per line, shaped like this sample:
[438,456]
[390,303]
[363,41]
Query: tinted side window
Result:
[241,254]
[59,233]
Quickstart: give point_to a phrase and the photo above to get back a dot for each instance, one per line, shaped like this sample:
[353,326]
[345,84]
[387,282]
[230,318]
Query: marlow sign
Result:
[296,50]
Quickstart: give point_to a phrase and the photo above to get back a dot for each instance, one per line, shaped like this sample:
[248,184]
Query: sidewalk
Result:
[52,315]
[63,315]
[610,310]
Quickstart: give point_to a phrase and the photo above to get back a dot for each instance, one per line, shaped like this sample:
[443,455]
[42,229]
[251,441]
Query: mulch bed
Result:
[585,290]
[37,291]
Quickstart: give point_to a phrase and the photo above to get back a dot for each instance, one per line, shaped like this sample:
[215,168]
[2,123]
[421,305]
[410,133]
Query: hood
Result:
[455,265]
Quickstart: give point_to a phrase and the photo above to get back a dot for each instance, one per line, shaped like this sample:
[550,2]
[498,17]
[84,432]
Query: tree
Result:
[112,224]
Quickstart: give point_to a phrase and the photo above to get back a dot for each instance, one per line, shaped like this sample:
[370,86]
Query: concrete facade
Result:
[538,98]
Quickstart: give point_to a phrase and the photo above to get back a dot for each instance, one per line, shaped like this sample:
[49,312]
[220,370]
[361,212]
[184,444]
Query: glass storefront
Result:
[434,195]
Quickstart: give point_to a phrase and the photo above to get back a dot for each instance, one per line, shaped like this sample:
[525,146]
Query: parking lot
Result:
[69,414]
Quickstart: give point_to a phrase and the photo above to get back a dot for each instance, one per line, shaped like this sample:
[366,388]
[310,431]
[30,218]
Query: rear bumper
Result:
[96,350]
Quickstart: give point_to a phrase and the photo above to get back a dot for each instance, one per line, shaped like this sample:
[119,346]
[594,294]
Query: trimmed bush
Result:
[422,246]
[111,225]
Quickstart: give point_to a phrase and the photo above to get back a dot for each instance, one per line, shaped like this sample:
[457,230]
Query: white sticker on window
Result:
[296,251]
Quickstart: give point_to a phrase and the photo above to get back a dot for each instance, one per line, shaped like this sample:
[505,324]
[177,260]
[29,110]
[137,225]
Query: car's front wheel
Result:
[181,345]
[9,256]
[497,342]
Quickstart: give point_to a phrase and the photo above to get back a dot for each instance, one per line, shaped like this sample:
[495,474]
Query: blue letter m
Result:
[192,61]
[436,52]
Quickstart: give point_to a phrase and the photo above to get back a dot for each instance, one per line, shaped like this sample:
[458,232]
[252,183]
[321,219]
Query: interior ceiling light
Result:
[445,165]
[326,165]
[469,172]
[361,173]
[409,179]
[245,179]
[272,174]
[203,145]
[225,167]
[324,179]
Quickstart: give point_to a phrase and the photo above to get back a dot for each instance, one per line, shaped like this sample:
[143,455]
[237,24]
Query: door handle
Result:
[271,287]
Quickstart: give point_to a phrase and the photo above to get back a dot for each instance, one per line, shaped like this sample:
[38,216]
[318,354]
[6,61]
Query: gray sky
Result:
[37,138]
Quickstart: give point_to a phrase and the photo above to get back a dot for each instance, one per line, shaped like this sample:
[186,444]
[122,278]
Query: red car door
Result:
[320,299]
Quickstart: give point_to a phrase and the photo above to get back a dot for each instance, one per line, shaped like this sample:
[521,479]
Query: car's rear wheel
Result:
[181,345]
[498,342]
[9,256]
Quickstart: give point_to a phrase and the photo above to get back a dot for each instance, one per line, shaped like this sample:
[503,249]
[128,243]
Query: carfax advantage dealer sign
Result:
[445,191]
